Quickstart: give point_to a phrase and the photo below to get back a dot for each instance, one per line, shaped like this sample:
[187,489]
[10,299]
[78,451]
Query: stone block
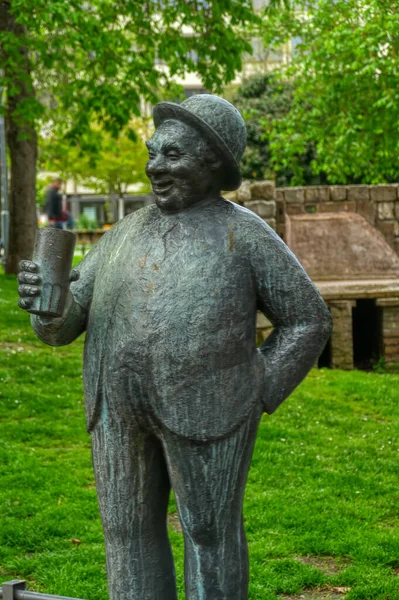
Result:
[391,336]
[337,207]
[281,230]
[294,195]
[396,246]
[295,209]
[263,190]
[397,210]
[315,194]
[280,212]
[391,321]
[391,329]
[384,193]
[390,312]
[391,349]
[392,368]
[263,208]
[391,340]
[347,207]
[271,223]
[342,306]
[386,210]
[393,301]
[358,192]
[280,197]
[329,207]
[391,355]
[338,193]
[388,229]
[367,209]
[244,192]
[341,339]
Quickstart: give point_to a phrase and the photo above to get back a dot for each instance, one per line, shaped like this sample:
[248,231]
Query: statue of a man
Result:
[174,383]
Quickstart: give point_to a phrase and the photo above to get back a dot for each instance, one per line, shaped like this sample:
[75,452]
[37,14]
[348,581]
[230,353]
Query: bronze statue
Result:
[174,384]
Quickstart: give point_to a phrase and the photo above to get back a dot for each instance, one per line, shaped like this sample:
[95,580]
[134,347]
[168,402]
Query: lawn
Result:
[322,500]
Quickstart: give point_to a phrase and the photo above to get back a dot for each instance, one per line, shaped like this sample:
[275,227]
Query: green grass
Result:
[323,487]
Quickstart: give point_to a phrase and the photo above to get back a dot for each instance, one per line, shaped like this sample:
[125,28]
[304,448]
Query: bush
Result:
[263,100]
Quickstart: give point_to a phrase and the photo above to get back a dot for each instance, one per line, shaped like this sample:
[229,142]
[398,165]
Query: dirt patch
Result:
[329,565]
[390,523]
[326,593]
[174,522]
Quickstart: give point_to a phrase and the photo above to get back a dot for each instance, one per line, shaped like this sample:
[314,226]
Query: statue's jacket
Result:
[169,303]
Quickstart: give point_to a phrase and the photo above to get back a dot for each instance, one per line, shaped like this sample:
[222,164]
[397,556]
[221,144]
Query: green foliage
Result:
[109,166]
[263,100]
[97,61]
[346,97]
[87,224]
[323,486]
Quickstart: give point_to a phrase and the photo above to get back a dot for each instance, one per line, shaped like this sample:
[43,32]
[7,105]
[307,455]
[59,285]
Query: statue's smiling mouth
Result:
[163,186]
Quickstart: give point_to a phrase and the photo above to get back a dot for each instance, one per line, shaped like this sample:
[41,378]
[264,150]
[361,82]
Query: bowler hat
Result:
[220,124]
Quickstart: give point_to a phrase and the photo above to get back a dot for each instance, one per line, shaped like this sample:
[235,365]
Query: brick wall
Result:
[378,204]
[390,331]
[260,197]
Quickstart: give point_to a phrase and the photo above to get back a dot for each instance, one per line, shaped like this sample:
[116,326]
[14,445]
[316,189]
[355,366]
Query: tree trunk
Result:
[23,218]
[22,144]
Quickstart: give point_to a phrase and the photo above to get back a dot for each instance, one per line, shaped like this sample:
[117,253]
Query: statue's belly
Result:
[185,314]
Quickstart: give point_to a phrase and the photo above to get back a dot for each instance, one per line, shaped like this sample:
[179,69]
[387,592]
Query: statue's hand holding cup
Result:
[44,280]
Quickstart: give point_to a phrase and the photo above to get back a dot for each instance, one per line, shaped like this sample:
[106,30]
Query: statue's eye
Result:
[172,155]
[151,155]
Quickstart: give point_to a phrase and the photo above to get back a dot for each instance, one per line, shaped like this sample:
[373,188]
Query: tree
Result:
[110,168]
[96,62]
[346,98]
[263,100]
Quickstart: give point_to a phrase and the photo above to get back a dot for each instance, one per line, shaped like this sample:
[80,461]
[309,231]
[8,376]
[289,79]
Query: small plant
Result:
[380,365]
[83,222]
[93,225]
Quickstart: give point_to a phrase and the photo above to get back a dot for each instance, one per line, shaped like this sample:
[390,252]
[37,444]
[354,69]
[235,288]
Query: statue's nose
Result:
[156,165]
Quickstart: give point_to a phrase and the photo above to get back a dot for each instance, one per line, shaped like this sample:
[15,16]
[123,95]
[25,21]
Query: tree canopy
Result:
[263,100]
[98,60]
[113,166]
[346,98]
[75,63]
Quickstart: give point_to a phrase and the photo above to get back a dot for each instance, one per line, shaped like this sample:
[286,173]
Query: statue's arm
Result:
[301,320]
[64,330]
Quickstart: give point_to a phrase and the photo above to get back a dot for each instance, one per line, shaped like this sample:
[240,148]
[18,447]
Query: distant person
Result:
[53,207]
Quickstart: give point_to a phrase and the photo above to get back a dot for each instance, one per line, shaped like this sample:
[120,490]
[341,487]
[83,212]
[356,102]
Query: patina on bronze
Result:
[174,383]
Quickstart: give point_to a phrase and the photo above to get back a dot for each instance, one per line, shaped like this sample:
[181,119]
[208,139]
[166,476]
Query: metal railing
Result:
[16,590]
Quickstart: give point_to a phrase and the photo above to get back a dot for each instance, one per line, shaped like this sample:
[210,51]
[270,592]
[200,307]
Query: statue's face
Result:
[178,168]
